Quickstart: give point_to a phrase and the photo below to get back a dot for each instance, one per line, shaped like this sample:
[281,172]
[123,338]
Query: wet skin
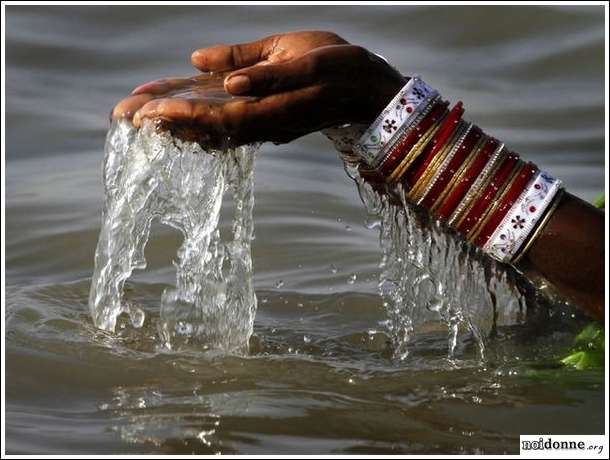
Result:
[285,86]
[297,83]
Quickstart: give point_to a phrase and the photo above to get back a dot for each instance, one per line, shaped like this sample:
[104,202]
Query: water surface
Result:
[319,377]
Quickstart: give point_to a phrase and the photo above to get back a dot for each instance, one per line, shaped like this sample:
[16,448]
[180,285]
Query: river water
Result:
[320,375]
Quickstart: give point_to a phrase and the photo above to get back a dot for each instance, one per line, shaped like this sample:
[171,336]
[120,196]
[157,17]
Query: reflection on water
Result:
[320,376]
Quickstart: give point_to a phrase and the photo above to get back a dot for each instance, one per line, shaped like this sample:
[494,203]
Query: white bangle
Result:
[522,217]
[400,111]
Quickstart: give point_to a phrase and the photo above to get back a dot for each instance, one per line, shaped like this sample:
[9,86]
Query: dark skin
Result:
[302,82]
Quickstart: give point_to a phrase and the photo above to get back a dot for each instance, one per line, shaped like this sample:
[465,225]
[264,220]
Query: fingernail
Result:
[238,84]
[137,119]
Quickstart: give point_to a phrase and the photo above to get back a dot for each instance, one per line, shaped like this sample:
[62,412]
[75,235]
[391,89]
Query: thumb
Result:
[261,80]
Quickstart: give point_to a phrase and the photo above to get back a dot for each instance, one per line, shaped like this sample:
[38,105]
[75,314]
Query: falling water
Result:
[428,273]
[149,175]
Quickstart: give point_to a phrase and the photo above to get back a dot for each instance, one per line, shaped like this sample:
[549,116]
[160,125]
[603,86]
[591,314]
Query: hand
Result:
[297,83]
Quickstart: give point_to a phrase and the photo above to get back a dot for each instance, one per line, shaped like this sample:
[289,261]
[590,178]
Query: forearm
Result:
[569,253]
[498,201]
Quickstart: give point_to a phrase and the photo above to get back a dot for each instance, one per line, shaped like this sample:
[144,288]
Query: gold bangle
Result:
[420,186]
[457,177]
[478,227]
[476,190]
[415,151]
[539,228]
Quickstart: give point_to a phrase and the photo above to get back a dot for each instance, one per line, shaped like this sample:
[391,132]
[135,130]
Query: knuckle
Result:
[236,56]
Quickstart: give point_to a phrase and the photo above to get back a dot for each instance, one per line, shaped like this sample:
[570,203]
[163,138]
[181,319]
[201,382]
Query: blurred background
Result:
[531,76]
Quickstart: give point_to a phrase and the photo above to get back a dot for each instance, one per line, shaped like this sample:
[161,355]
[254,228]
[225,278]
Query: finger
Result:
[129,106]
[178,110]
[262,80]
[223,58]
[280,117]
[162,86]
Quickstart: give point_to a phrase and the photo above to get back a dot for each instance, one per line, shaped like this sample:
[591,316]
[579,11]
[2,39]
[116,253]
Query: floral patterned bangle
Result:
[434,105]
[453,169]
[503,205]
[344,136]
[521,219]
[419,134]
[538,229]
[400,111]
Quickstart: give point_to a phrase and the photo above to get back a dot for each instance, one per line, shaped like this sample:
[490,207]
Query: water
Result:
[72,387]
[150,175]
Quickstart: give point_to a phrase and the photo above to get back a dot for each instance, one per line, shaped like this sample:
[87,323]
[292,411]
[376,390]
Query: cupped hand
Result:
[295,84]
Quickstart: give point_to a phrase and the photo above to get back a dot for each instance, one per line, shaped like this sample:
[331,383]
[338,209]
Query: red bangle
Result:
[444,134]
[511,195]
[473,171]
[458,158]
[403,147]
[475,213]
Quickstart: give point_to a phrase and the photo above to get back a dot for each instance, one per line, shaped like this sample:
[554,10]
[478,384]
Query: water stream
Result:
[149,175]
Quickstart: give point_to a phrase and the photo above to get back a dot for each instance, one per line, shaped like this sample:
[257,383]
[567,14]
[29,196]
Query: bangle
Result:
[489,171]
[410,144]
[505,203]
[462,153]
[434,107]
[471,170]
[540,227]
[537,200]
[402,109]
[499,196]
[471,216]
[415,151]
[440,165]
[414,192]
[447,130]
[458,173]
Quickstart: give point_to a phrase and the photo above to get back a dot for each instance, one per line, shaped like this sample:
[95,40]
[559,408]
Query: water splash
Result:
[149,175]
[429,273]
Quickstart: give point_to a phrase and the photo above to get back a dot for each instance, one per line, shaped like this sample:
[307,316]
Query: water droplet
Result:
[348,228]
[351,279]
[333,268]
[279,284]
[306,339]
[300,305]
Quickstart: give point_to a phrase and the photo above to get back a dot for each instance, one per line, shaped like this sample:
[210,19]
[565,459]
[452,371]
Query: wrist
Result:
[453,169]
[378,92]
